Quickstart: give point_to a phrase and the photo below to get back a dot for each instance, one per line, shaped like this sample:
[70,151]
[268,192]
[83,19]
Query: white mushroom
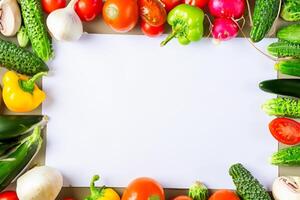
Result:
[286,188]
[10,17]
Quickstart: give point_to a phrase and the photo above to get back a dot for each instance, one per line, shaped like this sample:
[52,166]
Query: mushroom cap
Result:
[10,18]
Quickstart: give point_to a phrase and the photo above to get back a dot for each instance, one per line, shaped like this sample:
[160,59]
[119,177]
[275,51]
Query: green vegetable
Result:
[12,126]
[286,87]
[265,13]
[36,28]
[287,157]
[198,191]
[22,37]
[247,187]
[20,60]
[284,49]
[7,147]
[283,107]
[291,10]
[290,33]
[187,24]
[289,67]
[16,161]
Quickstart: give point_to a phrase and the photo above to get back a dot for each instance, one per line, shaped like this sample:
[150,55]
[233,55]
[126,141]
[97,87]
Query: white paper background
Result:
[123,107]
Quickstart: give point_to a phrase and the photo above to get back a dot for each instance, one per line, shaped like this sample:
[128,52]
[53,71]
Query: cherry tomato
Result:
[121,15]
[51,5]
[170,4]
[143,189]
[152,31]
[224,195]
[88,10]
[69,198]
[182,197]
[8,195]
[198,3]
[286,131]
[153,12]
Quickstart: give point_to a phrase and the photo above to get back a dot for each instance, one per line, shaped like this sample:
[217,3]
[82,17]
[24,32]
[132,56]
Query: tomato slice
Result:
[153,12]
[286,131]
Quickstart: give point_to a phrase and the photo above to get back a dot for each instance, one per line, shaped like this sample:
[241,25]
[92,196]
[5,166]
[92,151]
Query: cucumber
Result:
[265,13]
[282,107]
[291,10]
[8,146]
[20,60]
[22,37]
[36,28]
[290,33]
[18,160]
[284,49]
[12,126]
[247,186]
[287,157]
[285,87]
[289,67]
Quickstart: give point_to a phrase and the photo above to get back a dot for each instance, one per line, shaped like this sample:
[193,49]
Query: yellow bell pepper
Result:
[21,94]
[102,193]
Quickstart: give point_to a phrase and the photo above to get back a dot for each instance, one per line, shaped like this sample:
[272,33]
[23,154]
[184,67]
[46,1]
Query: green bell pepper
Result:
[187,24]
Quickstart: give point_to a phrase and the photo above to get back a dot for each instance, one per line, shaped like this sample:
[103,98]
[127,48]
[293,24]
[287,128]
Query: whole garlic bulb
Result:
[64,24]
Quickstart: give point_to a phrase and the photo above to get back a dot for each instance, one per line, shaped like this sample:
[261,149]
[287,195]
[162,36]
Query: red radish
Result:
[227,8]
[224,29]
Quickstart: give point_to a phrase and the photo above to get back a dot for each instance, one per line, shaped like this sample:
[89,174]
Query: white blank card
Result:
[123,107]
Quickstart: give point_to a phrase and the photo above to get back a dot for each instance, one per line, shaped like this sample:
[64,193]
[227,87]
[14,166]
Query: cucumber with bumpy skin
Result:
[247,186]
[289,67]
[20,60]
[265,13]
[284,49]
[287,157]
[291,10]
[283,107]
[12,165]
[290,33]
[36,28]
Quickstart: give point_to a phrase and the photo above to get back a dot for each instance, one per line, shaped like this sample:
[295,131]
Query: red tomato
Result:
[88,10]
[152,31]
[182,197]
[143,189]
[8,195]
[51,5]
[286,131]
[224,195]
[121,15]
[153,12]
[198,3]
[69,198]
[170,4]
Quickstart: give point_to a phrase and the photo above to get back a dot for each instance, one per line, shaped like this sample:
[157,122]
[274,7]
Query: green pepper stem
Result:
[168,39]
[95,192]
[28,85]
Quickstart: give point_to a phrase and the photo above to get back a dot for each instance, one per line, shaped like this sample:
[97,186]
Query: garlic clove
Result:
[10,17]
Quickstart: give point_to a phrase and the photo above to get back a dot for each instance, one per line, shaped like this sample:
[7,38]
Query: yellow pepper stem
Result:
[28,85]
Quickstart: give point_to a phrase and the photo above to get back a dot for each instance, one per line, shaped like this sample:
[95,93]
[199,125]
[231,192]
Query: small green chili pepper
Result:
[187,24]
